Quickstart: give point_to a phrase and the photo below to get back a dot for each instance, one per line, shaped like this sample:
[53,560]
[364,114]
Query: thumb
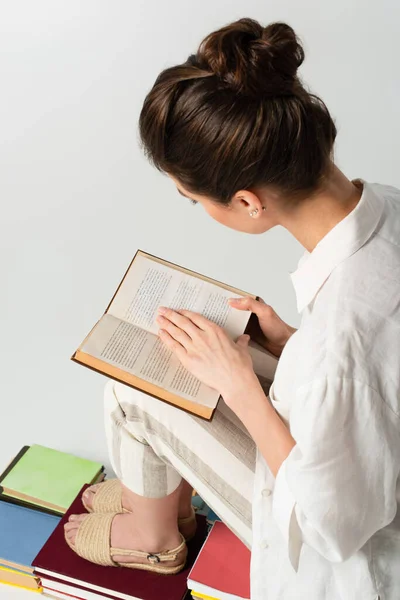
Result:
[247,303]
[243,340]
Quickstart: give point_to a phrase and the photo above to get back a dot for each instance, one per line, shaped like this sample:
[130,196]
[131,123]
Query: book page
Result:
[150,284]
[143,354]
[264,363]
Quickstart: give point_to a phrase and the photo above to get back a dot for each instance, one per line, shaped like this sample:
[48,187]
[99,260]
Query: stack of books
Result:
[63,574]
[23,533]
[42,487]
[36,489]
[222,568]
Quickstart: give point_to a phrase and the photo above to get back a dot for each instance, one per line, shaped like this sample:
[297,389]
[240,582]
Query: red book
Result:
[66,572]
[222,568]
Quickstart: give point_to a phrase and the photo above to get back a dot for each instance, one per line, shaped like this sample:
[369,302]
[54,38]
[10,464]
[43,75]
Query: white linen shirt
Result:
[328,528]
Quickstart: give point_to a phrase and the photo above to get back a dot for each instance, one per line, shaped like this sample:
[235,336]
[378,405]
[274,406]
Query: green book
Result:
[48,478]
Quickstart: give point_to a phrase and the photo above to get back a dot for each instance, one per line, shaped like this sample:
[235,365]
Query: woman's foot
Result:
[128,533]
[185,510]
[89,494]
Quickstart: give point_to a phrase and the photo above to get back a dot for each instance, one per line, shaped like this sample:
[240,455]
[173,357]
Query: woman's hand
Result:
[271,331]
[209,354]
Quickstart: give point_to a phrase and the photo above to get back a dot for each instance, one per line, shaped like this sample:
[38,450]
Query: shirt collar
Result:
[345,238]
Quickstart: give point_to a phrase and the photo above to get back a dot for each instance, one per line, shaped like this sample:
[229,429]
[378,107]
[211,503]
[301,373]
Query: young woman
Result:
[307,476]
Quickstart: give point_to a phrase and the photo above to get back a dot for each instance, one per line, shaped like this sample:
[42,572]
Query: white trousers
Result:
[153,445]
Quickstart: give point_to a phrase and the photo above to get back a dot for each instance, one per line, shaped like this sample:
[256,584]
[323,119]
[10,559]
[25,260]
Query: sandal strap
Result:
[152,557]
[93,537]
[108,497]
[93,541]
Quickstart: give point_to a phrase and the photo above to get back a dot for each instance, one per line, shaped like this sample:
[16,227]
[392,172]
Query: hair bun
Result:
[253,59]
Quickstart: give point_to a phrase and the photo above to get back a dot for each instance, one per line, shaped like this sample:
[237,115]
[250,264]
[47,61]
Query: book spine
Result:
[30,505]
[12,464]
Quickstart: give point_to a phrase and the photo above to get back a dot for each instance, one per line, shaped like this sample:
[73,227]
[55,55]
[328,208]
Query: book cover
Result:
[48,477]
[222,569]
[23,532]
[18,501]
[57,561]
[14,461]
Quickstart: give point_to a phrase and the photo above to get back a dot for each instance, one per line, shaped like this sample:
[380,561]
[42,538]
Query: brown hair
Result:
[236,116]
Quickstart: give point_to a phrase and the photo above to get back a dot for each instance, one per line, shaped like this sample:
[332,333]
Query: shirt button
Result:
[263,544]
[266,493]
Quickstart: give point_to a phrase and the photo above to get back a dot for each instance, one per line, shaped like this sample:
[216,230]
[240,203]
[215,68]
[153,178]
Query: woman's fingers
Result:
[185,319]
[259,307]
[243,340]
[211,355]
[199,320]
[245,303]
[180,335]
[172,344]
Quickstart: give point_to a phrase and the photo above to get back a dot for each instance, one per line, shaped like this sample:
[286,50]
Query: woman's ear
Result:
[246,200]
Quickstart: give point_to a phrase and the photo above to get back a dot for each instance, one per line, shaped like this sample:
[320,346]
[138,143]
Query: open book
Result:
[124,344]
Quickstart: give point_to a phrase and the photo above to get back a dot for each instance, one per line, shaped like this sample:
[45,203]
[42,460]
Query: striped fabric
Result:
[152,445]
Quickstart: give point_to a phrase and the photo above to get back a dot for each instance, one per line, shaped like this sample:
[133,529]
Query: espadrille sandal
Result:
[108,499]
[186,521]
[92,542]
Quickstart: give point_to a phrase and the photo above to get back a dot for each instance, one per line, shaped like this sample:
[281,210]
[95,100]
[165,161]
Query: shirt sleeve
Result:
[337,487]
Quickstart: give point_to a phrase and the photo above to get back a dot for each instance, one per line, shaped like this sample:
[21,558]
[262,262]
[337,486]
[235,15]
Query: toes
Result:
[74,522]
[70,535]
[91,490]
[81,518]
[77,518]
[94,487]
[89,493]
[72,526]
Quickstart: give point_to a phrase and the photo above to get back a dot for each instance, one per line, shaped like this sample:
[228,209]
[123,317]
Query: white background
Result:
[78,198]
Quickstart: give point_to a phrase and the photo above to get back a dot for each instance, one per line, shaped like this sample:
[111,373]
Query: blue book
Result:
[212,516]
[23,532]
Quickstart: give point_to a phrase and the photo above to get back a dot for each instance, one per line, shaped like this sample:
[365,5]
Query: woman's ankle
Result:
[185,511]
[185,500]
[128,532]
[162,541]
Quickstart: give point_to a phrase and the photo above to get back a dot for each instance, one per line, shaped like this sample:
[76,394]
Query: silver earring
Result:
[255,211]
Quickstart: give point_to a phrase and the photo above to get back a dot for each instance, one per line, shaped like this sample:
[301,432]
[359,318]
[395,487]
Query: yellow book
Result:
[20,580]
[203,596]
